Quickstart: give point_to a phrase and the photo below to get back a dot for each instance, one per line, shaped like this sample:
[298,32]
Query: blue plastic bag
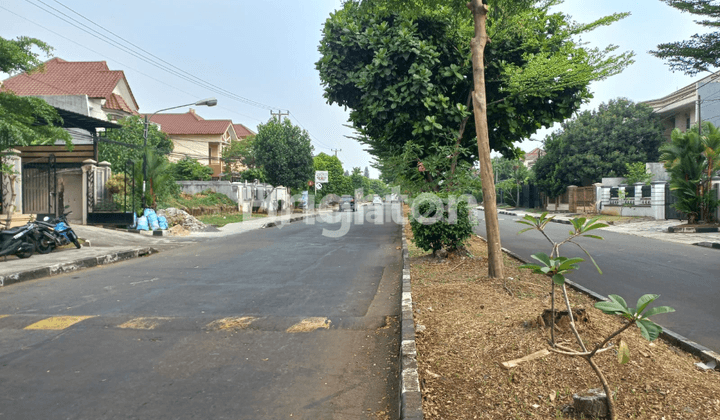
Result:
[152,219]
[142,223]
[162,221]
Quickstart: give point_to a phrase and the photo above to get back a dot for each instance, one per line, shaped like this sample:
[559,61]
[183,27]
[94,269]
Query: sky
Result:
[257,56]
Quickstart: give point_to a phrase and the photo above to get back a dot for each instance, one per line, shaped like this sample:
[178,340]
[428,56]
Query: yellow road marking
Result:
[230,323]
[4,316]
[57,322]
[310,324]
[143,323]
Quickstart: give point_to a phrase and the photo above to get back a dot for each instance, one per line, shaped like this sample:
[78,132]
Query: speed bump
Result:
[57,322]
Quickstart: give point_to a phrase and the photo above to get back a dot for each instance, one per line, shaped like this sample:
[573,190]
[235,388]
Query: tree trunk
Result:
[495,261]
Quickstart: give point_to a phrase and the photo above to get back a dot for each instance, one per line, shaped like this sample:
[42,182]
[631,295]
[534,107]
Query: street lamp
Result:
[204,102]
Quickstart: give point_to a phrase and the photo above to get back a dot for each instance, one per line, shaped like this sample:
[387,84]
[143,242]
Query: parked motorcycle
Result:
[53,233]
[18,241]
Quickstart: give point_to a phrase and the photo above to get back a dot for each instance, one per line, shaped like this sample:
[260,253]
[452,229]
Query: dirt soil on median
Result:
[469,324]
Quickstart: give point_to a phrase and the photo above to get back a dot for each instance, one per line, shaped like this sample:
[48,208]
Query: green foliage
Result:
[285,153]
[25,120]
[597,144]
[692,160]
[338,183]
[437,226]
[636,172]
[616,306]
[188,169]
[251,175]
[240,153]
[161,184]
[207,198]
[404,70]
[702,51]
[131,137]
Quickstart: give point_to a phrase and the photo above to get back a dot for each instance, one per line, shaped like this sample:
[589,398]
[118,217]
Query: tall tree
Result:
[701,52]
[26,120]
[599,143]
[403,69]
[338,183]
[285,153]
[366,173]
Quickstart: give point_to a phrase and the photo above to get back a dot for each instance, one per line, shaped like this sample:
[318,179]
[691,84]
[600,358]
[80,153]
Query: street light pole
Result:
[204,102]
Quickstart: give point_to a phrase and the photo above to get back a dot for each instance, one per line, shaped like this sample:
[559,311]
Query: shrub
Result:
[436,224]
[189,169]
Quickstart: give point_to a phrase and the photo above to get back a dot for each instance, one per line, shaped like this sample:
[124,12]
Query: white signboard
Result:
[321,177]
[318,186]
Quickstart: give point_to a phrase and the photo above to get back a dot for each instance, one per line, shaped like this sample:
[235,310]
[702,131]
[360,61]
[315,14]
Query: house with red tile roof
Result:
[198,138]
[532,157]
[242,131]
[108,92]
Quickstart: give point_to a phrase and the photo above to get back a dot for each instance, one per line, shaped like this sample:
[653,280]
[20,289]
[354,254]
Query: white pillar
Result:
[657,199]
[638,193]
[12,159]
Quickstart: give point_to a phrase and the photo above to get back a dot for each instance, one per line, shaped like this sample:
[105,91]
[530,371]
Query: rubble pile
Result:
[176,216]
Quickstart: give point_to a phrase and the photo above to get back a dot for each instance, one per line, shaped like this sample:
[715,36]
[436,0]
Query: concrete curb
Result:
[71,266]
[675,339]
[410,395]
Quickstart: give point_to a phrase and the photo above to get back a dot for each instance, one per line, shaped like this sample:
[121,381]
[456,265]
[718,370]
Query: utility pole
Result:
[492,227]
[279,114]
[336,151]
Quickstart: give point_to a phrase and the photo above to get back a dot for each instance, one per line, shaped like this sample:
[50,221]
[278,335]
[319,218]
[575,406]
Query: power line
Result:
[181,73]
[119,62]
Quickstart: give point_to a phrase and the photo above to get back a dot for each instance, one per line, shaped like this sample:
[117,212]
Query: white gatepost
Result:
[657,199]
[605,196]
[598,197]
[638,194]
[12,159]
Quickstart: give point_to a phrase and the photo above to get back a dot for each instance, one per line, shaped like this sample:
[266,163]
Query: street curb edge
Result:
[410,400]
[76,265]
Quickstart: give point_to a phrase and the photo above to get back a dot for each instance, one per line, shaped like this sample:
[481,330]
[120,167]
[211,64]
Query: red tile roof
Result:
[60,77]
[189,123]
[242,131]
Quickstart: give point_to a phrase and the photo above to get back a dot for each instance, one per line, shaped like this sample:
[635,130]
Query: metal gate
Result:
[39,186]
[111,206]
[670,200]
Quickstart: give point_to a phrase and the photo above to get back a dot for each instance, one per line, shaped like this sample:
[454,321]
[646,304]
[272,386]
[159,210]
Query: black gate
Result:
[670,200]
[112,204]
[39,186]
[530,197]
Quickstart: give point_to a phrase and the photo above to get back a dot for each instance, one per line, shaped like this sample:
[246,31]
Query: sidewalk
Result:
[654,229]
[106,246]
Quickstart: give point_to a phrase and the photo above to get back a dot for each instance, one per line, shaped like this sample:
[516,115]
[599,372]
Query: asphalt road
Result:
[685,276]
[269,324]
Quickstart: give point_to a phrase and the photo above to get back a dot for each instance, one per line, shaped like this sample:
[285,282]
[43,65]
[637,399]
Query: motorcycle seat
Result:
[12,231]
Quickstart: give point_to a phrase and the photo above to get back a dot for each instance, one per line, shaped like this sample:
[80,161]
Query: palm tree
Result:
[691,159]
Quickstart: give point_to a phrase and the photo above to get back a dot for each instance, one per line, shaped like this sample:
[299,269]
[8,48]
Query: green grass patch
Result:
[222,219]
[207,198]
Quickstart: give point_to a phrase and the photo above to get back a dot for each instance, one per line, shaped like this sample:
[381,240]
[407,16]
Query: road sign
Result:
[318,186]
[321,177]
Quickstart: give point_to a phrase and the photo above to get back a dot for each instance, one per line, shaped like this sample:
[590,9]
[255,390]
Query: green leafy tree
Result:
[434,225]
[25,120]
[598,143]
[403,69]
[338,183]
[189,169]
[285,153]
[126,143]
[701,52]
[240,157]
[366,173]
[692,160]
[637,172]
